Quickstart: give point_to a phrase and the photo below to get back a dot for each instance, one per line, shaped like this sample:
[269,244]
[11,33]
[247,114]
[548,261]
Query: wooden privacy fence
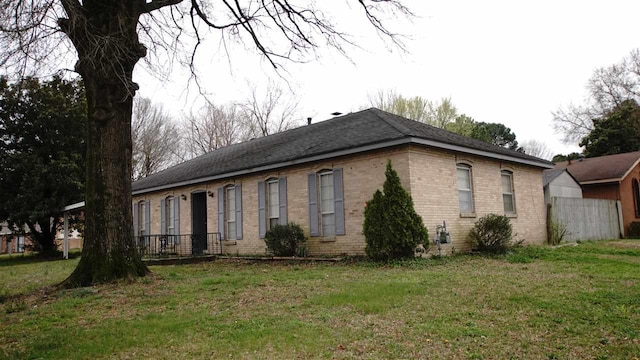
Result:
[586,219]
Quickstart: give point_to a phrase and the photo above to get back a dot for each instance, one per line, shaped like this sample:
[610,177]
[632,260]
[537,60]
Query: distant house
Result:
[560,183]
[10,242]
[321,176]
[613,177]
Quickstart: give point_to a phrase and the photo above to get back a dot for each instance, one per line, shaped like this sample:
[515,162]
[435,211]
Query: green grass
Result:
[578,302]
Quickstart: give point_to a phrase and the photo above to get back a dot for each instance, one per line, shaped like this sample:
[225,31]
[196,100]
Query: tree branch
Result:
[157,4]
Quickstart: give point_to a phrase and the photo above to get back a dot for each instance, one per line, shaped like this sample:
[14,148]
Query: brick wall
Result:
[622,191]
[362,175]
[428,174]
[434,191]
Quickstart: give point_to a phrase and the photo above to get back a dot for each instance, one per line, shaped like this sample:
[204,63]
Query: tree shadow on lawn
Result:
[32,258]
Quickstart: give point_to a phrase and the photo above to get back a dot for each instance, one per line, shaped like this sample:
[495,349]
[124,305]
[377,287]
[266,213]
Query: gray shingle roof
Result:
[602,168]
[349,132]
[550,174]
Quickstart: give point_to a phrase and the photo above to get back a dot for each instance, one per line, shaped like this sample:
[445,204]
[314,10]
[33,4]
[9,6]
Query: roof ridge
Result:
[376,110]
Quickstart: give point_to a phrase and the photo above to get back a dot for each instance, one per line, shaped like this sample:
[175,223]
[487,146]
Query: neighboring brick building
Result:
[321,175]
[11,243]
[613,177]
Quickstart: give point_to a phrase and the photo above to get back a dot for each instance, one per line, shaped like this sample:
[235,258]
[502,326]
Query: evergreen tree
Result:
[616,133]
[392,228]
[42,148]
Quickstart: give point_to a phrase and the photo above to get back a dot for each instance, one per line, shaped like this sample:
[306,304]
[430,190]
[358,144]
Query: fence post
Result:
[549,220]
[620,220]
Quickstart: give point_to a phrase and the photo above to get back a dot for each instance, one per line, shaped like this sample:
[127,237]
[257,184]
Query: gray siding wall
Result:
[562,186]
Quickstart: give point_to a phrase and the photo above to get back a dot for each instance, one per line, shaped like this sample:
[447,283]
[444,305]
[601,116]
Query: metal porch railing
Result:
[185,245]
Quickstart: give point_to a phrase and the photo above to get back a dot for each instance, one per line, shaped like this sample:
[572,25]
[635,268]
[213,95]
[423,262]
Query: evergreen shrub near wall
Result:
[492,234]
[392,228]
[286,240]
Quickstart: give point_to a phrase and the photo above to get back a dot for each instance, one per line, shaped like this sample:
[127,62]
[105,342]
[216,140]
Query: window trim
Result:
[508,173]
[468,168]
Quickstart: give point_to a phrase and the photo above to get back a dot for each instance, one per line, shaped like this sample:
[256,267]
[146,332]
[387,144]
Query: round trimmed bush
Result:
[492,234]
[285,240]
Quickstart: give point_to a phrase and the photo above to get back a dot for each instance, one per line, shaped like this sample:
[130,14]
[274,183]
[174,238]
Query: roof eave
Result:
[351,151]
[630,169]
[601,181]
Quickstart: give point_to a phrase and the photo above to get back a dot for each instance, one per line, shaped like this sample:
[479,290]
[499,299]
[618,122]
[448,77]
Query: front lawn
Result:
[579,302]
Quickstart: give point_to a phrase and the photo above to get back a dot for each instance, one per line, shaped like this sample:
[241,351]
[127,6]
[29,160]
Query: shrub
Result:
[492,234]
[634,230]
[557,232]
[286,240]
[392,228]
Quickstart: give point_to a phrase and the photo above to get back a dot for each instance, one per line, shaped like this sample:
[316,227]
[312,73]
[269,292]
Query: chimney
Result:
[308,121]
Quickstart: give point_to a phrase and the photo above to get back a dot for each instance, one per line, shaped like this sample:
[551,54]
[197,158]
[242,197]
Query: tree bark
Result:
[108,49]
[109,251]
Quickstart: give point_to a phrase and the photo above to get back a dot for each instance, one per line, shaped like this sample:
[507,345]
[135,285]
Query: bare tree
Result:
[272,112]
[442,112]
[214,127]
[105,38]
[608,88]
[155,137]
[417,108]
[537,148]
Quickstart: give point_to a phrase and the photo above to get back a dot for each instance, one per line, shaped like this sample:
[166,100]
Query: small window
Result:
[273,203]
[465,188]
[230,212]
[636,196]
[327,202]
[508,194]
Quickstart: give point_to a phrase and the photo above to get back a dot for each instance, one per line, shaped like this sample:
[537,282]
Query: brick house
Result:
[612,177]
[321,175]
[12,243]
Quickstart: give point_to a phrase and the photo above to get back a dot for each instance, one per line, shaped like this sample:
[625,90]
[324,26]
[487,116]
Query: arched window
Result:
[508,193]
[636,196]
[465,188]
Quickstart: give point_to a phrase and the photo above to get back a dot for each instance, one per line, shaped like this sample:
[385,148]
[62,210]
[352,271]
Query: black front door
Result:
[199,222]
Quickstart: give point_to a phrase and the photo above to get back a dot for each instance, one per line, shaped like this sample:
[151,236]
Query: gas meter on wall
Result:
[442,235]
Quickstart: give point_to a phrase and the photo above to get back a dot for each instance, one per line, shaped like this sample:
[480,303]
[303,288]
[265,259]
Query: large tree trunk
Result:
[109,251]
[108,49]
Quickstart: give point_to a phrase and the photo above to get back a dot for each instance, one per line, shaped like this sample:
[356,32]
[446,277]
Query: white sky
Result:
[510,62]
